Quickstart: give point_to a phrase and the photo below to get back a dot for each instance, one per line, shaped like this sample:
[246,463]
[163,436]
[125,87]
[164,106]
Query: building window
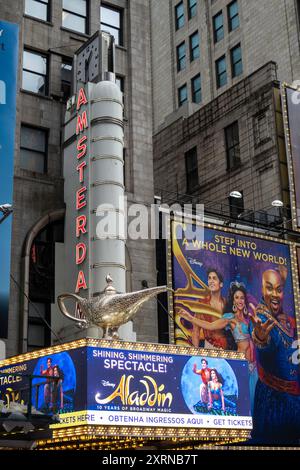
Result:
[181,57]
[196,89]
[35,71]
[233,16]
[42,284]
[74,15]
[66,78]
[120,83]
[261,129]
[38,9]
[182,95]
[236,61]
[191,168]
[192,8]
[194,46]
[221,72]
[33,151]
[218,27]
[179,15]
[236,206]
[111,22]
[232,142]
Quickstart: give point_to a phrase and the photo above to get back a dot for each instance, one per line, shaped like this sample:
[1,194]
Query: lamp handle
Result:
[60,300]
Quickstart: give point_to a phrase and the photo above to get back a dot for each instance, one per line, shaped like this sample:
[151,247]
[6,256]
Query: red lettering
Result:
[81,98]
[80,168]
[80,253]
[80,284]
[80,225]
[81,147]
[81,122]
[80,198]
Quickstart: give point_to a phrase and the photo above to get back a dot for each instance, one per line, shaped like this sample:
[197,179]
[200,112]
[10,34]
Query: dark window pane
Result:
[182,95]
[74,22]
[181,57]
[75,6]
[192,8]
[233,16]
[196,89]
[37,310]
[33,161]
[236,61]
[194,46]
[36,335]
[33,149]
[232,145]
[179,15]
[37,9]
[66,80]
[191,167]
[34,83]
[218,27]
[66,72]
[34,139]
[221,72]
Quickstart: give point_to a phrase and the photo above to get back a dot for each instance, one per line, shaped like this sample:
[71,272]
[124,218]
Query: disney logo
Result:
[106,383]
[194,261]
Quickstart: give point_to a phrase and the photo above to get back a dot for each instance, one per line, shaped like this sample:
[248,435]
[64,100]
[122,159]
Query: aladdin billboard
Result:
[236,291]
[9,36]
[140,386]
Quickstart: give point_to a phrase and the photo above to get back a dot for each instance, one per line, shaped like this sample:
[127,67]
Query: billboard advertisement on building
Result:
[58,383]
[9,36]
[135,388]
[222,281]
[139,386]
[291,106]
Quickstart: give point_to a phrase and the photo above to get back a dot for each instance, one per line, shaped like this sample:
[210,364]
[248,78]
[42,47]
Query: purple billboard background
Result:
[246,270]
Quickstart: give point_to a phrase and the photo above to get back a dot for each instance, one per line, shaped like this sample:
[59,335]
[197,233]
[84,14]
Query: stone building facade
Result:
[50,32]
[192,37]
[257,169]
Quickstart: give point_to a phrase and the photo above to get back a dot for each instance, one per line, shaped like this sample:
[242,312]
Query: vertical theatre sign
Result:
[81,202]
[9,34]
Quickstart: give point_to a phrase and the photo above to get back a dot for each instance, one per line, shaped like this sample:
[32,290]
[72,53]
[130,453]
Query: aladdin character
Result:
[215,392]
[214,338]
[277,394]
[205,376]
[48,387]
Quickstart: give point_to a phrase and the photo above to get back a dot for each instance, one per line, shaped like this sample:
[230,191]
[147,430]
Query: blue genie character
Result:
[277,394]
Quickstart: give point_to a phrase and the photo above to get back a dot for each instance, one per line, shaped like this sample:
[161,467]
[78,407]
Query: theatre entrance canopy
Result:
[116,394]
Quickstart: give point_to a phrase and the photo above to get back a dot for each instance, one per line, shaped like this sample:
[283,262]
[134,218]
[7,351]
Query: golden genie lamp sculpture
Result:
[109,310]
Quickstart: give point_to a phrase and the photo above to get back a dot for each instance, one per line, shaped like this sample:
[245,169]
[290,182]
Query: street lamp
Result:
[277,203]
[236,194]
[5,209]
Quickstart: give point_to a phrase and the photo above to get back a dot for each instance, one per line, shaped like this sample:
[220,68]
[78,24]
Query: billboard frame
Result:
[65,436]
[295,275]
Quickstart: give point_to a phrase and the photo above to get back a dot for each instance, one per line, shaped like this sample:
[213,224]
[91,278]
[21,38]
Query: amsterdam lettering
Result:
[151,396]
[81,202]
